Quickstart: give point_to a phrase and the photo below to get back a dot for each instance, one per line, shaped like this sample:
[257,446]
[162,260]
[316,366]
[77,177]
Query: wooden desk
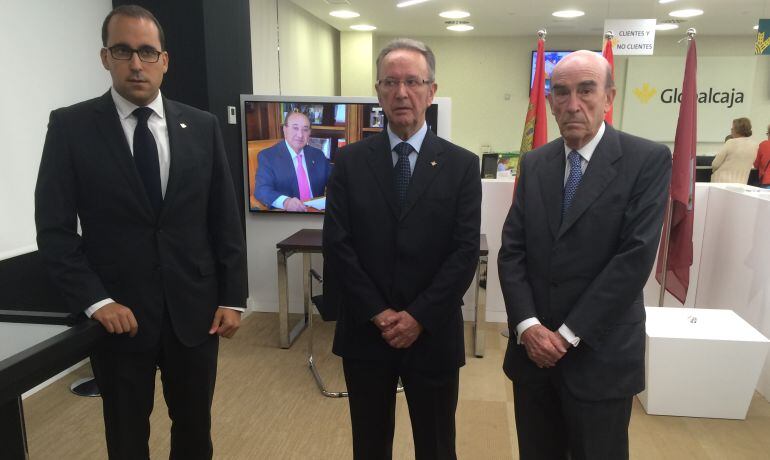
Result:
[309,241]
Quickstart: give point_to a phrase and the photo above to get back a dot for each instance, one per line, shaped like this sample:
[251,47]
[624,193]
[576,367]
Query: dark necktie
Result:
[146,157]
[402,171]
[573,180]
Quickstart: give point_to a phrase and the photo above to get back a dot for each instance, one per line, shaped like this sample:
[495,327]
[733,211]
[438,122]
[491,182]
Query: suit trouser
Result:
[552,424]
[127,383]
[430,396]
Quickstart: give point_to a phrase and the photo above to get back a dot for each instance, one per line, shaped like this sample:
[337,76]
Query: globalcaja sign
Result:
[653,91]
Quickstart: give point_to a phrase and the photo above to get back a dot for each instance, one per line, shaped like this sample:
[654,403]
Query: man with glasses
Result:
[291,172]
[159,259]
[400,245]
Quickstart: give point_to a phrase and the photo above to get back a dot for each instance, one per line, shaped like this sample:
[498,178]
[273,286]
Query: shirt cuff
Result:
[523,326]
[278,203]
[92,309]
[568,335]
[240,309]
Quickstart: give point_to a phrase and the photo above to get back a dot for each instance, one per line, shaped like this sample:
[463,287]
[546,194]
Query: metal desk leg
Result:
[283,300]
[481,307]
[306,261]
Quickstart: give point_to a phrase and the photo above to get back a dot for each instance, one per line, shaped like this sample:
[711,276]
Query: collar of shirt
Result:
[587,150]
[415,141]
[126,107]
[292,152]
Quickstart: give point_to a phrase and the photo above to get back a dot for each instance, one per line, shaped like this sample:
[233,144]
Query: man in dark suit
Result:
[160,258]
[577,247]
[401,242]
[291,172]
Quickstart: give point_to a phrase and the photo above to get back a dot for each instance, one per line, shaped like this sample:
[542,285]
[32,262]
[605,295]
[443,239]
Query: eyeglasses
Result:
[410,83]
[124,53]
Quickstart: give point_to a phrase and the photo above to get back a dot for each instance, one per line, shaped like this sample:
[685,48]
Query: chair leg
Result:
[320,383]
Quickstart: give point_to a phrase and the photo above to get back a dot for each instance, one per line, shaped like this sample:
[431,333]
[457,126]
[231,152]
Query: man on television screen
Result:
[400,246]
[291,172]
[578,245]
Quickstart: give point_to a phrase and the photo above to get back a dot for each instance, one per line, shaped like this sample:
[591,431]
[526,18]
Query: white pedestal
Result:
[707,368]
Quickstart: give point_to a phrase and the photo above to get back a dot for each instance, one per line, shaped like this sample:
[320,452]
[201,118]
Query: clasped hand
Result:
[544,346]
[399,329]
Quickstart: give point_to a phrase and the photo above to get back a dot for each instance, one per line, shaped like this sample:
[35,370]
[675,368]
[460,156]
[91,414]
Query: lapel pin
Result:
[183,125]
[433,163]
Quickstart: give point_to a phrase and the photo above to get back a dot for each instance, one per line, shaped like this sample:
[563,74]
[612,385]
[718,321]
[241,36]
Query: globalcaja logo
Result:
[645,93]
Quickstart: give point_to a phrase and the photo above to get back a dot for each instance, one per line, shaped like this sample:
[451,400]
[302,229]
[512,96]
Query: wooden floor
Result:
[267,407]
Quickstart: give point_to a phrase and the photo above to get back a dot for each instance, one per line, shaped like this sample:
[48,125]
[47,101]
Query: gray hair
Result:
[410,44]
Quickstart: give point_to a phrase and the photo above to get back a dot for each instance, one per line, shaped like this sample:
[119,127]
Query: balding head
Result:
[591,58]
[582,91]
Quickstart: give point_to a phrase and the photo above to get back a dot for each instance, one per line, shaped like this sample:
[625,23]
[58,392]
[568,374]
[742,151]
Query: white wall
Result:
[292,51]
[50,59]
[478,73]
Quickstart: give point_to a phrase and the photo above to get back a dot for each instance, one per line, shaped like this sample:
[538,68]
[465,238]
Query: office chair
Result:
[328,313]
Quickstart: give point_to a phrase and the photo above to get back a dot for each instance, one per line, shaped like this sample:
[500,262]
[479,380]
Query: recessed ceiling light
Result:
[454,14]
[344,14]
[666,26]
[688,13]
[409,3]
[663,2]
[568,13]
[460,27]
[363,27]
[756,27]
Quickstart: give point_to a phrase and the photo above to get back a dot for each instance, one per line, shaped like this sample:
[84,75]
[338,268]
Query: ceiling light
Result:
[756,27]
[663,2]
[666,26]
[344,14]
[409,3]
[568,13]
[454,14]
[688,13]
[363,27]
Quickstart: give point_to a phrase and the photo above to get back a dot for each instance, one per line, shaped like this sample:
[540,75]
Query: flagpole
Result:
[667,222]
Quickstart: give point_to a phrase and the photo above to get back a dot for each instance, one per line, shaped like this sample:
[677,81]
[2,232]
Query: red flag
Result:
[535,125]
[682,187]
[607,53]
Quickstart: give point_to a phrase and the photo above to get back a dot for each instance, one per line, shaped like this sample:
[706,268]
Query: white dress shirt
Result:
[585,152]
[278,203]
[415,141]
[159,130]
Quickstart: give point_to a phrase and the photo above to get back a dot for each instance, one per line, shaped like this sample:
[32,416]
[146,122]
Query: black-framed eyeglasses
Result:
[124,53]
[410,83]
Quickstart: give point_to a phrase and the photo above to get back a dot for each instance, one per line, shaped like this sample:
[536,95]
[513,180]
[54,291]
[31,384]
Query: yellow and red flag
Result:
[535,125]
[607,53]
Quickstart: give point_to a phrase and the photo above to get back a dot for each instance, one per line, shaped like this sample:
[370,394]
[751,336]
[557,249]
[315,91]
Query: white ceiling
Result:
[519,17]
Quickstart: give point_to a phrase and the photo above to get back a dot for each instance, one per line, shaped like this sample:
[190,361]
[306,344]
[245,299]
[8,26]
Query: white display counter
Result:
[731,260]
[701,363]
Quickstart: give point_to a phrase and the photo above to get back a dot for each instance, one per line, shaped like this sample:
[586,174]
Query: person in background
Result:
[291,172]
[734,160]
[762,161]
[153,252]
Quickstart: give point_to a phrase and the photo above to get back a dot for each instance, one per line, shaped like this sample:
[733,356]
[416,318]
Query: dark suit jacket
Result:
[190,257]
[588,270]
[420,259]
[276,175]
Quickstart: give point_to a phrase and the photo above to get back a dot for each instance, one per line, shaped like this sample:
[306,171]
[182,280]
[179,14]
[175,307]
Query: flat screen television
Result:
[270,174]
[550,60]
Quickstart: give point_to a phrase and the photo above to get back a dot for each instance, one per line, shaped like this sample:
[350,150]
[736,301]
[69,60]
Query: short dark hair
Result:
[742,126]
[133,11]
